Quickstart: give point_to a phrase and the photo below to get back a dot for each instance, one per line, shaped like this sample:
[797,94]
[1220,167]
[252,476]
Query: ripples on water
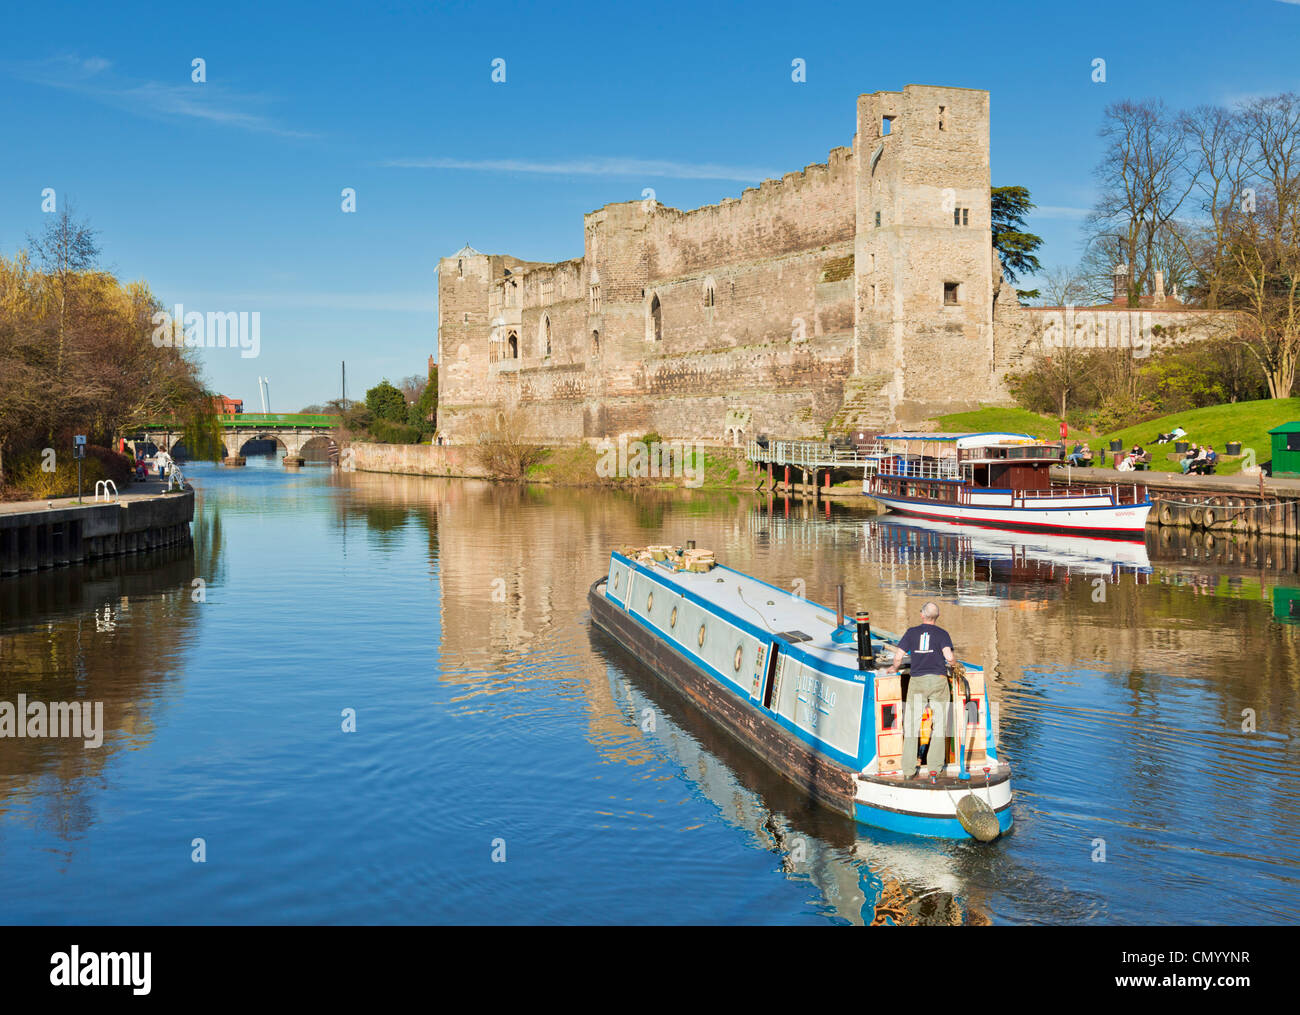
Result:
[491,718]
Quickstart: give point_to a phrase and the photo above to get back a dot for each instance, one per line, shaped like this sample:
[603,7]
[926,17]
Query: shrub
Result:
[394,433]
[31,480]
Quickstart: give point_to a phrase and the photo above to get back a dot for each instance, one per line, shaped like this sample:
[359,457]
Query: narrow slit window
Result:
[950,294]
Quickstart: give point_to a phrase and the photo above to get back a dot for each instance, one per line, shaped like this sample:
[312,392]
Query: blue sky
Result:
[225,195]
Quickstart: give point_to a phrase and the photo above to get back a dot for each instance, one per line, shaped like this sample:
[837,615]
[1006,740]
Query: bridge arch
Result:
[245,438]
[319,442]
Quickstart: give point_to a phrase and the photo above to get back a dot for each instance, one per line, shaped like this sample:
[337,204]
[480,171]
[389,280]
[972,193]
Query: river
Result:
[508,764]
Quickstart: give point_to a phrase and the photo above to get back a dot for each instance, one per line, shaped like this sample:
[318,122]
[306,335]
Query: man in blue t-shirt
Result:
[930,647]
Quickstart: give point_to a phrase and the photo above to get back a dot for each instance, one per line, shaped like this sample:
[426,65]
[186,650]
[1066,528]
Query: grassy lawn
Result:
[1248,422]
[992,418]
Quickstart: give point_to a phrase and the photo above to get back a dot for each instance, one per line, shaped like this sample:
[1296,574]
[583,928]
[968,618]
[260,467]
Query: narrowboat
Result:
[805,690]
[1001,480]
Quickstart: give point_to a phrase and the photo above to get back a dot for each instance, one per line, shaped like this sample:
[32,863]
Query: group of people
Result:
[162,461]
[1198,460]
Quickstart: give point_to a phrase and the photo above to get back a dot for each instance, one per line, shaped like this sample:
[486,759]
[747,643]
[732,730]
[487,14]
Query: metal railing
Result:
[109,489]
[919,468]
[175,477]
[815,454]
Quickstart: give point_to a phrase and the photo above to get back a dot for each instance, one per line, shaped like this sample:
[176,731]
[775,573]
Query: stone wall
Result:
[413,460]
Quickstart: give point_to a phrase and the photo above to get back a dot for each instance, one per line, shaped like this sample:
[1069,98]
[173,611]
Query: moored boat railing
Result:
[1120,493]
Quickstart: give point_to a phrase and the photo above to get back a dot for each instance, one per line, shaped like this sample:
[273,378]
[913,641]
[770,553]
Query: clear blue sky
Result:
[226,195]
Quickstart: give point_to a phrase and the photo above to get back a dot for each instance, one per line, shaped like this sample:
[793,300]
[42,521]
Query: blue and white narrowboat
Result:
[1001,480]
[804,690]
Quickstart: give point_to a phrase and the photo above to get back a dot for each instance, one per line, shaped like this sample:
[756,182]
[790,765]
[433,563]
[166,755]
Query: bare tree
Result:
[501,448]
[1064,285]
[65,248]
[1257,243]
[1144,177]
[412,388]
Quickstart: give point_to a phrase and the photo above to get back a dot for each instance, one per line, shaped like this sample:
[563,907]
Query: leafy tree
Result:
[1015,246]
[386,402]
[428,401]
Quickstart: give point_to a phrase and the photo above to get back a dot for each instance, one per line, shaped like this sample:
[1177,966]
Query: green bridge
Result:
[266,420]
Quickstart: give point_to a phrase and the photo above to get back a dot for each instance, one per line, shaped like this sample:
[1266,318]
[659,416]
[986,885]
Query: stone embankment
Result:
[43,534]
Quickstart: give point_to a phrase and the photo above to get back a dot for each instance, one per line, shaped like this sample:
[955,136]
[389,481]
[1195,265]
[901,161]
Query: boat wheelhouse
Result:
[997,479]
[795,685]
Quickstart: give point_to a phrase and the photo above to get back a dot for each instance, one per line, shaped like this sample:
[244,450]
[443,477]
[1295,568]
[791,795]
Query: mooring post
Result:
[864,640]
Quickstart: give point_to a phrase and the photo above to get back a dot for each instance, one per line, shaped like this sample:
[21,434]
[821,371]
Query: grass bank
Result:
[723,469]
[1247,422]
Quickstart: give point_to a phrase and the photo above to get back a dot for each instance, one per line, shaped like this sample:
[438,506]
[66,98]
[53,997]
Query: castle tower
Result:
[464,281]
[923,259]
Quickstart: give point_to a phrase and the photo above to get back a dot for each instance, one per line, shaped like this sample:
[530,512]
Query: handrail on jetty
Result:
[815,454]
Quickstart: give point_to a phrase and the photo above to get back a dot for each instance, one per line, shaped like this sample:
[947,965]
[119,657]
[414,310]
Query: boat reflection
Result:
[1013,557]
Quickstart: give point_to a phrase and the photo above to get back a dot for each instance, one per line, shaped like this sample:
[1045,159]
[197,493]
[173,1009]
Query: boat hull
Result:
[913,807]
[1124,521]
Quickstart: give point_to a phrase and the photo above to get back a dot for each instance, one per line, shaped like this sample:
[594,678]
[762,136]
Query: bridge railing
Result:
[245,420]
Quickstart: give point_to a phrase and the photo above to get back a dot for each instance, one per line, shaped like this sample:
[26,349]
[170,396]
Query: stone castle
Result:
[859,294]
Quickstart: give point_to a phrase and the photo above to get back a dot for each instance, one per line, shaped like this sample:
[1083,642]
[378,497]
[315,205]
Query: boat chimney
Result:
[839,606]
[690,544]
[865,658]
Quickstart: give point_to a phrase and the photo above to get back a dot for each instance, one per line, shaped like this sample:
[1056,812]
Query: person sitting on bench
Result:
[1194,455]
[1141,459]
[1077,456]
[1204,464]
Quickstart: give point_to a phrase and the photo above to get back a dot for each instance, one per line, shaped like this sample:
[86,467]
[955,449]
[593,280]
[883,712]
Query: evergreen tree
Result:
[1009,206]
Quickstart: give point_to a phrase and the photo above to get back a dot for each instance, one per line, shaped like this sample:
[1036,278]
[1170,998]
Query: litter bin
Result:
[1180,447]
[1116,446]
[1233,448]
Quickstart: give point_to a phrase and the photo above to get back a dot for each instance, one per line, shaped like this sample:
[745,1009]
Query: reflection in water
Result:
[101,632]
[451,615]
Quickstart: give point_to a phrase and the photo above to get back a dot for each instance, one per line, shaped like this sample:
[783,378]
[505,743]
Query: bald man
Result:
[930,648]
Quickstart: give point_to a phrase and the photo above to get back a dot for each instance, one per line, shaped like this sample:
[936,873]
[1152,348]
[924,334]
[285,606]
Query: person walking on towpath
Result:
[930,648]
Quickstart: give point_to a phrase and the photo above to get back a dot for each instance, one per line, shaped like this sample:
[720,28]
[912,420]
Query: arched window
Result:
[656,319]
[512,342]
[595,343]
[595,292]
[710,292]
[544,336]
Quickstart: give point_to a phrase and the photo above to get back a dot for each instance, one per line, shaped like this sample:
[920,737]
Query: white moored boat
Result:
[804,691]
[1000,480]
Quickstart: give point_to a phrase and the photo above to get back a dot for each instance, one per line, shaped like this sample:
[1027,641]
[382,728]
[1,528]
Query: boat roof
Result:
[806,625]
[917,435]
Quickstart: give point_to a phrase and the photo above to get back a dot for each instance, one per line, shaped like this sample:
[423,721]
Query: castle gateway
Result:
[860,293]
